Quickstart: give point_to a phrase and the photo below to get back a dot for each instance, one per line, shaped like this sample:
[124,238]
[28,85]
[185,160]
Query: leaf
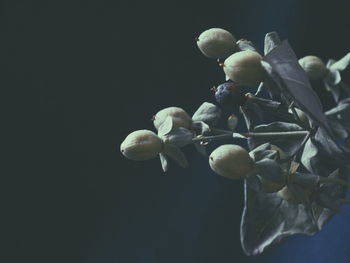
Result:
[294,83]
[270,170]
[244,44]
[166,126]
[200,148]
[263,151]
[208,113]
[315,160]
[178,136]
[272,40]
[200,127]
[288,145]
[267,219]
[341,64]
[274,108]
[252,114]
[164,162]
[176,154]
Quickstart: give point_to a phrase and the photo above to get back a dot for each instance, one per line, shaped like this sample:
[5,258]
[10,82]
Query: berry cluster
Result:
[295,173]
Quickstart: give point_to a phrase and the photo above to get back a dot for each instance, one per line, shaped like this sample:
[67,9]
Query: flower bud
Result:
[141,145]
[244,67]
[231,161]
[179,116]
[232,122]
[313,66]
[216,43]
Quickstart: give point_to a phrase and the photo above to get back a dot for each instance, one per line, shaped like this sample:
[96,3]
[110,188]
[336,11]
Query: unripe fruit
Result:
[314,67]
[244,67]
[141,145]
[216,43]
[231,161]
[179,116]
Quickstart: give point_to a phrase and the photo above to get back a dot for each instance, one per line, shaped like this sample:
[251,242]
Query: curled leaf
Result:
[272,40]
[178,136]
[164,162]
[244,44]
[166,126]
[176,154]
[288,145]
[208,113]
[200,127]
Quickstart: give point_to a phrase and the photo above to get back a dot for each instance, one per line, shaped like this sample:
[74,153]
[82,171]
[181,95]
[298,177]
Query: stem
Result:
[276,134]
[228,134]
[334,180]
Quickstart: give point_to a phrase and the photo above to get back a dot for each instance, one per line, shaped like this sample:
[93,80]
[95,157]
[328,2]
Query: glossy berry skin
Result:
[229,95]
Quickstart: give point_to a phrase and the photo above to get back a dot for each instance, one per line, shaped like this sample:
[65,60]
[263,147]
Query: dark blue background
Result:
[80,76]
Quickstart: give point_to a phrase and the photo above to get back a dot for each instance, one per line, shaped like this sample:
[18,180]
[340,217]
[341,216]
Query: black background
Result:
[82,75]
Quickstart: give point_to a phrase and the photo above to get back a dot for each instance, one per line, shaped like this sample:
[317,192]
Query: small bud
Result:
[232,122]
[216,43]
[141,145]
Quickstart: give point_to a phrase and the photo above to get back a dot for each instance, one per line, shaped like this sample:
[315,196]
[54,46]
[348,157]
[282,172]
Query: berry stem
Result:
[224,134]
[334,180]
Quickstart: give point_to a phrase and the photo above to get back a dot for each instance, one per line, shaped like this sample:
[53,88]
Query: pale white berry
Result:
[179,117]
[216,43]
[231,161]
[244,68]
[141,145]
[314,67]
[232,122]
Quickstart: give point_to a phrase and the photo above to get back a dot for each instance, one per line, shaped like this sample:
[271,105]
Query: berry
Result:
[229,94]
[245,68]
[314,67]
[216,43]
[231,161]
[141,145]
[179,116]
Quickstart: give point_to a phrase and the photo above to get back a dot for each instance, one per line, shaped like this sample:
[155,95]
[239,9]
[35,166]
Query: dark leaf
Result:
[252,114]
[267,219]
[176,154]
[178,136]
[294,83]
[200,127]
[200,148]
[272,40]
[288,145]
[263,151]
[244,44]
[208,113]
[270,170]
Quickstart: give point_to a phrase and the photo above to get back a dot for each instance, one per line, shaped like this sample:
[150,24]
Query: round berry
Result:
[314,67]
[179,116]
